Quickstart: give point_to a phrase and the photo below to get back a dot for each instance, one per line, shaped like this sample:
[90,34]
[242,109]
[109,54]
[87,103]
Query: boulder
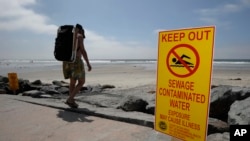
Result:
[24,85]
[97,88]
[4,79]
[235,79]
[63,90]
[150,109]
[33,93]
[239,113]
[3,85]
[57,83]
[43,96]
[107,86]
[221,99]
[64,84]
[37,82]
[219,137]
[133,103]
[85,89]
[50,89]
[217,126]
[60,83]
[35,87]
[151,92]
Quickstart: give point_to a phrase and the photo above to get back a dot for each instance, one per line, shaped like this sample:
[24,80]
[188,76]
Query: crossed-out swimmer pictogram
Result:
[178,60]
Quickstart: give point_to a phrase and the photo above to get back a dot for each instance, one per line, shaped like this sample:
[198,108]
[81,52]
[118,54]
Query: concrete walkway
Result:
[22,121]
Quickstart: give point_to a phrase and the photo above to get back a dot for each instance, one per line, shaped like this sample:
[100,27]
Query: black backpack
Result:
[65,44]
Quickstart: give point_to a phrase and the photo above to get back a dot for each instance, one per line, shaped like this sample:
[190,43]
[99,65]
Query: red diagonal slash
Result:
[173,51]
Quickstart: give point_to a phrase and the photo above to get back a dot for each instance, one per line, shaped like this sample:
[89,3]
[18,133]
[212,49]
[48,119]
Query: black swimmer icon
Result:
[179,63]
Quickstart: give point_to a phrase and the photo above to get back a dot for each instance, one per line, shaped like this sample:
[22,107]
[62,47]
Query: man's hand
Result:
[89,67]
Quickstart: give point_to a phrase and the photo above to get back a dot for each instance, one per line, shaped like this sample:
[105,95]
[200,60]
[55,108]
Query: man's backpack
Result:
[65,44]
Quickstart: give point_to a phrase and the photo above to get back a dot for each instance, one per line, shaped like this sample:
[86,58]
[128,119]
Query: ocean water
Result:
[232,64]
[24,65]
[19,65]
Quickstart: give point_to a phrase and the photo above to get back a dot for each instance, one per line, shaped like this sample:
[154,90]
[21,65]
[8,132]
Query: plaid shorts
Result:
[74,70]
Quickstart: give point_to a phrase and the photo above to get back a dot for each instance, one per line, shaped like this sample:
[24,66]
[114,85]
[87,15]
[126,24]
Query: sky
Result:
[120,29]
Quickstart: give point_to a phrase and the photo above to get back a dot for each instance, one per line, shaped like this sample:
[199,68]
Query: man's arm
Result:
[84,53]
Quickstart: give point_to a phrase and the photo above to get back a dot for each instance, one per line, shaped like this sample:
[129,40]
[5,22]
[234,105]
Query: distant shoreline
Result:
[124,74]
[114,60]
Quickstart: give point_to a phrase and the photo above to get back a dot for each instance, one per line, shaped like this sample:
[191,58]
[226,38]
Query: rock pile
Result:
[229,105]
[38,89]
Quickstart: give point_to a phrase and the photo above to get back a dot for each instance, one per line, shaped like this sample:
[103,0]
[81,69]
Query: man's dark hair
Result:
[80,27]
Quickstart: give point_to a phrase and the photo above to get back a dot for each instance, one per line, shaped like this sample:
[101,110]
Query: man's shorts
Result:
[74,70]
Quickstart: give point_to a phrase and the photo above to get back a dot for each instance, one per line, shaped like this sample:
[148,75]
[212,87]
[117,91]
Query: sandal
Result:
[71,104]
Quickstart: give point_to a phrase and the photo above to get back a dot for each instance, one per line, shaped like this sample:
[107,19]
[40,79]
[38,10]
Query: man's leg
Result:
[73,90]
[78,87]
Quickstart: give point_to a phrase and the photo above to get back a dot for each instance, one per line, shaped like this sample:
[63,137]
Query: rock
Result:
[57,83]
[44,96]
[219,104]
[107,86]
[4,79]
[63,90]
[24,85]
[240,93]
[133,103]
[151,92]
[33,93]
[85,89]
[37,82]
[50,89]
[60,83]
[235,79]
[65,84]
[239,112]
[3,85]
[213,86]
[150,109]
[219,137]
[221,99]
[97,88]
[35,87]
[217,126]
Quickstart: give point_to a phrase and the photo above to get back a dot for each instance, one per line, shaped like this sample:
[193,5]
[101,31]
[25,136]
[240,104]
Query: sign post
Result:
[184,71]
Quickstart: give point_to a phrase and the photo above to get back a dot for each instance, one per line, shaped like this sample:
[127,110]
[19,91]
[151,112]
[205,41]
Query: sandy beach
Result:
[234,76]
[129,79]
[129,75]
[119,75]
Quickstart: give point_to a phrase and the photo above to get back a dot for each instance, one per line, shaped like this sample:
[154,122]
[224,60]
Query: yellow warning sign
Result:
[183,82]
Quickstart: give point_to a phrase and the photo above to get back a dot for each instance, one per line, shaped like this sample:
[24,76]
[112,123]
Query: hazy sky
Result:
[120,29]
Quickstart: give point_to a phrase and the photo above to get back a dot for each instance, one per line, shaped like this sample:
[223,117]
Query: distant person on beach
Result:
[75,71]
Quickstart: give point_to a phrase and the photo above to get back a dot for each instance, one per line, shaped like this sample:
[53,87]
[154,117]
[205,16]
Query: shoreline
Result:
[129,75]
